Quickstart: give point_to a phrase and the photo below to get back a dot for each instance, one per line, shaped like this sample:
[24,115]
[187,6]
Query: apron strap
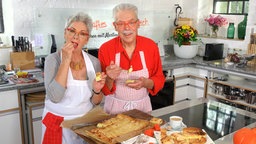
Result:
[53,133]
[142,57]
[117,59]
[143,61]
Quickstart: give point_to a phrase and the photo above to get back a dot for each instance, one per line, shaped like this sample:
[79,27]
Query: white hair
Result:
[125,6]
[81,17]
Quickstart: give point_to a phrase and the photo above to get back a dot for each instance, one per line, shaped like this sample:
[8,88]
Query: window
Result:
[231,7]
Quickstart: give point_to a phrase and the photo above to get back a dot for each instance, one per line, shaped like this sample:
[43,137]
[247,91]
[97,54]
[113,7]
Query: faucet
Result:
[178,12]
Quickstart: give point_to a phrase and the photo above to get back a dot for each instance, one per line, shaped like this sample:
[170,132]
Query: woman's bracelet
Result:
[95,92]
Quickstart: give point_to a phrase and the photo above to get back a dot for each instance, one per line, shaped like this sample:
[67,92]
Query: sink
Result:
[3,81]
[244,59]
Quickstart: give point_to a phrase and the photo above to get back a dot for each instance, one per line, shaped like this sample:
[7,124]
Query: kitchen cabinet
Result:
[237,92]
[11,127]
[34,111]
[190,83]
[32,100]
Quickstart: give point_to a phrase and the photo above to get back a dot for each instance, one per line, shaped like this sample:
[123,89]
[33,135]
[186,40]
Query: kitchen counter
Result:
[175,62]
[171,62]
[11,85]
[219,120]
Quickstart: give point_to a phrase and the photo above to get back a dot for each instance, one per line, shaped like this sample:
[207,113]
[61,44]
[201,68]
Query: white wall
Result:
[20,17]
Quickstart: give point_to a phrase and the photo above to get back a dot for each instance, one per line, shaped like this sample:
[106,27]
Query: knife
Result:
[80,125]
[13,44]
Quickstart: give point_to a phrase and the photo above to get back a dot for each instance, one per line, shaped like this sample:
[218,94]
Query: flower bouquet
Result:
[215,22]
[183,35]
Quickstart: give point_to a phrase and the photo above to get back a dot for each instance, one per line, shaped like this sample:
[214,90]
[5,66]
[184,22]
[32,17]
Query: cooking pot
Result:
[218,88]
[232,97]
[250,98]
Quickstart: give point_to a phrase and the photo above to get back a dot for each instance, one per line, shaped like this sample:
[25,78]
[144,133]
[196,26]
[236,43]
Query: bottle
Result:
[53,47]
[231,31]
[242,28]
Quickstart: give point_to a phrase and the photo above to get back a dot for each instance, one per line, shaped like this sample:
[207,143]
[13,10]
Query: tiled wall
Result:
[20,16]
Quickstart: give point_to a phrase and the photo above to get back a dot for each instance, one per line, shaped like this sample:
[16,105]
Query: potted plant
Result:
[183,36]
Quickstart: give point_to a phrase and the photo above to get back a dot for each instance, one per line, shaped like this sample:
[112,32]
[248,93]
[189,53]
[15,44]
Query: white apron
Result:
[75,103]
[126,98]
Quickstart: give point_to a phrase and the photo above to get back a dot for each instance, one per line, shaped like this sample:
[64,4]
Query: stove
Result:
[217,121]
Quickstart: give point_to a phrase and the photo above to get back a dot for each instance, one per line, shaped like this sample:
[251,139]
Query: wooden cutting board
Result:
[132,113]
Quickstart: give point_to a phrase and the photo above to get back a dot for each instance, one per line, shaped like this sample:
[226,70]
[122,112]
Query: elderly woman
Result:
[71,88]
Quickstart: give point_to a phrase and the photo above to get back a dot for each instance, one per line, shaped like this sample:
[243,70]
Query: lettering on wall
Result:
[98,25]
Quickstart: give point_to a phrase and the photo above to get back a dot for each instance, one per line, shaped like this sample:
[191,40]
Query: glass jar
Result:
[231,31]
[242,28]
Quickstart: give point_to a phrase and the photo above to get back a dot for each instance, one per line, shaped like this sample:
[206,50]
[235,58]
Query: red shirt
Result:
[109,49]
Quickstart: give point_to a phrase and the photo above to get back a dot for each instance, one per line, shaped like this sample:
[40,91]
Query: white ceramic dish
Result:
[230,63]
[147,139]
[158,137]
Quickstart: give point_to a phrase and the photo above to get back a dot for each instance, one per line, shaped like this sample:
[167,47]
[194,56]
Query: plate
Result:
[140,139]
[157,135]
[169,128]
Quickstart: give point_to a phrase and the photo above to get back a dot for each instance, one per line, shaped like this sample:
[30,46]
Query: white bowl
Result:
[186,51]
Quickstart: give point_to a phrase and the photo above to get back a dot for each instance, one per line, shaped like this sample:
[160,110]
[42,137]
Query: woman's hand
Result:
[67,51]
[98,85]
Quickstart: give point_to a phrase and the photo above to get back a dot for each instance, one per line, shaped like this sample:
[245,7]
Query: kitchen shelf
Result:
[219,37]
[245,84]
[242,84]
[240,102]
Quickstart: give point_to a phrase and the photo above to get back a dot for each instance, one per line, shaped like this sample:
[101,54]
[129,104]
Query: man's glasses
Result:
[123,24]
[81,35]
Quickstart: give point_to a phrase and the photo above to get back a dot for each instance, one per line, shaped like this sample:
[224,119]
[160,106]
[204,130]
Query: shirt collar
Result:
[121,49]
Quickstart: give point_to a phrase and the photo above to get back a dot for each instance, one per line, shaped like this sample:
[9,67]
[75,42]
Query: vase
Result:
[215,30]
[185,51]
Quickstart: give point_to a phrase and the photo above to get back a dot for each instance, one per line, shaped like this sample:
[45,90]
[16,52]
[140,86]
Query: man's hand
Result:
[113,71]
[142,82]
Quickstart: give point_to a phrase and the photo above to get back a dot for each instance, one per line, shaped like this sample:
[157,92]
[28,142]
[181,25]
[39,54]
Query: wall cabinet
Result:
[11,127]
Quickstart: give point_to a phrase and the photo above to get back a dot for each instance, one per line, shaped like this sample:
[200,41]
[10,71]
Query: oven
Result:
[165,97]
[92,51]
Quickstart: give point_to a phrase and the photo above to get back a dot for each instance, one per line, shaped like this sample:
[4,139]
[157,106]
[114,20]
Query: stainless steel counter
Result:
[241,117]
